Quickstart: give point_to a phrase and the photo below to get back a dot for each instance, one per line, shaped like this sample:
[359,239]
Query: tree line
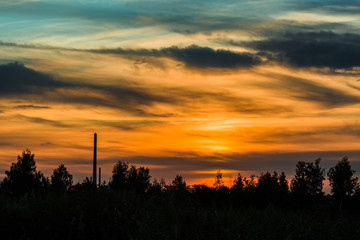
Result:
[23,180]
[132,205]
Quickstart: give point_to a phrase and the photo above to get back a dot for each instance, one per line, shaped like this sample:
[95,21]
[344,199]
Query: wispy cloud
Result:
[30,106]
[308,90]
[192,56]
[312,49]
[39,120]
[20,82]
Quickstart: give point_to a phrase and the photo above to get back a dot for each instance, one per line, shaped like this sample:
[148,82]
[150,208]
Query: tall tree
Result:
[238,183]
[308,180]
[219,182]
[23,179]
[61,179]
[178,184]
[132,178]
[341,178]
[138,179]
[119,175]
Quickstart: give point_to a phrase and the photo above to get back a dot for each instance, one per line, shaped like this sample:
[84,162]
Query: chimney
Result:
[94,163]
[99,176]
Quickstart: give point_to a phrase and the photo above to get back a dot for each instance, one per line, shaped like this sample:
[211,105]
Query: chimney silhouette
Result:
[99,176]
[94,163]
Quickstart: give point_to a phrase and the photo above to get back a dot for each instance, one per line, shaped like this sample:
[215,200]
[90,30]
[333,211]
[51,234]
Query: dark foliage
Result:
[272,188]
[178,184]
[130,207]
[308,180]
[61,179]
[125,178]
[23,180]
[341,179]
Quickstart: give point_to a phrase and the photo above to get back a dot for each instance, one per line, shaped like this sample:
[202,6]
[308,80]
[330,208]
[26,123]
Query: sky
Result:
[182,87]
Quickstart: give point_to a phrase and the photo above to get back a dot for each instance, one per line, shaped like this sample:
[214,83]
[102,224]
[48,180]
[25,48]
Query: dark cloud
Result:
[32,107]
[290,134]
[21,82]
[194,56]
[32,86]
[126,125]
[18,79]
[304,89]
[312,49]
[4,143]
[42,121]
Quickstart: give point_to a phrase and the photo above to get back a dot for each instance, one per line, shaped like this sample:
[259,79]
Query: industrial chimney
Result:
[99,176]
[94,163]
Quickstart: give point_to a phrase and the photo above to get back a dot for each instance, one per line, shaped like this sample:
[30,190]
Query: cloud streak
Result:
[195,56]
[312,49]
[303,89]
[20,82]
[192,56]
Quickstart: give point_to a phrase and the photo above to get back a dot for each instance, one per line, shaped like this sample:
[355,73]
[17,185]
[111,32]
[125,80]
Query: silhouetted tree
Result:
[238,183]
[178,184]
[272,188]
[219,182]
[137,179]
[249,184]
[268,184]
[158,187]
[341,179]
[61,179]
[23,179]
[85,186]
[283,184]
[119,175]
[308,180]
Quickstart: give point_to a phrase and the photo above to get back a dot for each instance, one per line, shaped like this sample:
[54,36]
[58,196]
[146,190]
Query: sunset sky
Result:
[180,86]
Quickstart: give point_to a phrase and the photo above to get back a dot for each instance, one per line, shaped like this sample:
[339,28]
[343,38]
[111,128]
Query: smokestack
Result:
[99,176]
[94,163]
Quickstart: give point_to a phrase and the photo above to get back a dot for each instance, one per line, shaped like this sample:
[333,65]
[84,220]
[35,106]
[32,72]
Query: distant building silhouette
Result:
[94,162]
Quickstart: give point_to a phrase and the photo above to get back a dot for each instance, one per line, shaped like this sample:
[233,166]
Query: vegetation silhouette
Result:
[308,180]
[125,178]
[343,183]
[130,206]
[22,180]
[61,179]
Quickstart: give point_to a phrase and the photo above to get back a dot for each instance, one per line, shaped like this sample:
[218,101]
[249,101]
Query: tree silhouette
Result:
[219,182]
[272,188]
[23,179]
[341,180]
[137,179]
[118,179]
[283,184]
[268,183]
[308,180]
[249,184]
[61,179]
[178,184]
[238,183]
